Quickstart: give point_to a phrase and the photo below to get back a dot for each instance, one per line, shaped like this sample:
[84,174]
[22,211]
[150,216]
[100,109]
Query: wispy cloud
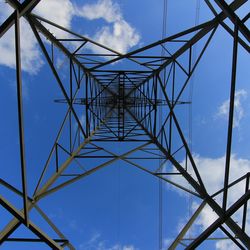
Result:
[223,109]
[226,245]
[167,242]
[97,243]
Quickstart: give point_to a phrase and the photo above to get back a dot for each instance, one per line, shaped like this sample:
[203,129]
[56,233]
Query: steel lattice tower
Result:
[122,106]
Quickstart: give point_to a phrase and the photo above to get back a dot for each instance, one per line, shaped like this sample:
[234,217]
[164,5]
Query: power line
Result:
[190,109]
[163,52]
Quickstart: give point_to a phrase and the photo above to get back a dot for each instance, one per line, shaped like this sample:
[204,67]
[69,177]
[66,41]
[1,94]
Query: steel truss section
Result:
[123,106]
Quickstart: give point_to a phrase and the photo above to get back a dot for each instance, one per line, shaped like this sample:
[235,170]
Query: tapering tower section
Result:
[136,102]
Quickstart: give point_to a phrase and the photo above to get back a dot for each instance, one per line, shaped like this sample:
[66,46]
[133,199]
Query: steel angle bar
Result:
[57,78]
[37,231]
[233,238]
[182,137]
[61,169]
[81,37]
[103,122]
[244,217]
[191,30]
[54,227]
[142,119]
[245,176]
[55,143]
[192,70]
[175,60]
[234,18]
[202,29]
[137,88]
[24,8]
[213,24]
[20,115]
[16,191]
[222,219]
[51,38]
[246,17]
[14,223]
[160,177]
[230,116]
[103,89]
[51,151]
[200,190]
[187,227]
[93,170]
[227,28]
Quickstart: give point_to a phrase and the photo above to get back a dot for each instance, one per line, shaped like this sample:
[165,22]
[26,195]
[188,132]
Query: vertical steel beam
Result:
[20,114]
[231,116]
[87,105]
[244,217]
[155,89]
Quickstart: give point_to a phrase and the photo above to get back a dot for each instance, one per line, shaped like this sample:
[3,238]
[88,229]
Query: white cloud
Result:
[60,12]
[223,110]
[167,242]
[206,218]
[97,243]
[120,247]
[212,173]
[120,35]
[225,245]
[30,55]
[5,11]
[104,9]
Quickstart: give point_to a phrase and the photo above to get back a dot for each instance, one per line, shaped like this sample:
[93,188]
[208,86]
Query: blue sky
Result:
[117,207]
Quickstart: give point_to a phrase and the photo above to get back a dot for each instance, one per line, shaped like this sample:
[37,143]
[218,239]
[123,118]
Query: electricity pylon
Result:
[109,103]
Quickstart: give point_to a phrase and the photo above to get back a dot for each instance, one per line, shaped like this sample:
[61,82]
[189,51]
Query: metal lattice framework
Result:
[121,105]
